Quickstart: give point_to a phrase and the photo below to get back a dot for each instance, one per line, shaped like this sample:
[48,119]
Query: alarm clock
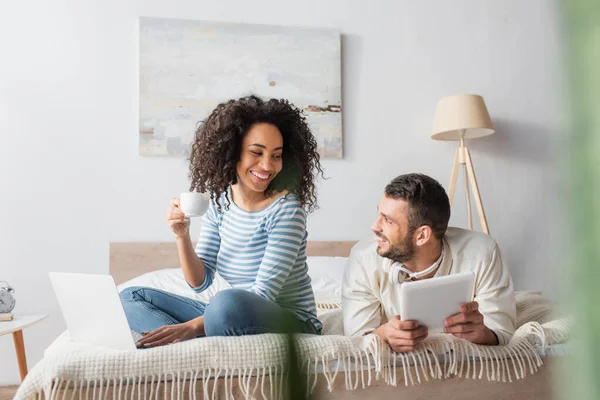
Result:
[7,300]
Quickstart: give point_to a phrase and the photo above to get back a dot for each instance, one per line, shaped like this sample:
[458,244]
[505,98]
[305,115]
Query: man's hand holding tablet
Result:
[402,336]
[468,324]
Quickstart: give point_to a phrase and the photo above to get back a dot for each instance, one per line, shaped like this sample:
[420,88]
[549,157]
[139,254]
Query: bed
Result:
[331,365]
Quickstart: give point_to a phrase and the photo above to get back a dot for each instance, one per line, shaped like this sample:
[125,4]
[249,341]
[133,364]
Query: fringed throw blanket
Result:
[258,363]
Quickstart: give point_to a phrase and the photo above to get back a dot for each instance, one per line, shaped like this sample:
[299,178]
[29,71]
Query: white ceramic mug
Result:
[194,204]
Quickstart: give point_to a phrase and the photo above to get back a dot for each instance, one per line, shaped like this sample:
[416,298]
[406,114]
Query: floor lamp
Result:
[463,117]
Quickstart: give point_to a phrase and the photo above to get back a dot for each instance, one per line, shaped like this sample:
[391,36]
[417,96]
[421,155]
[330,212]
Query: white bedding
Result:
[262,357]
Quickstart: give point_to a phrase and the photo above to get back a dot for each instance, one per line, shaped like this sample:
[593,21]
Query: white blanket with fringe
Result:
[254,360]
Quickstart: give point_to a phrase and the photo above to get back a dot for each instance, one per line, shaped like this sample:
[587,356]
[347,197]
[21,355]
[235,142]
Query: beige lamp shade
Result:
[463,115]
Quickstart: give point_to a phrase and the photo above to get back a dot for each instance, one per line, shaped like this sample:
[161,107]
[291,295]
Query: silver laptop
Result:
[92,309]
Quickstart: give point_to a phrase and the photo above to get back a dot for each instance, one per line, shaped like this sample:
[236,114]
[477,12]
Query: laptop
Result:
[92,310]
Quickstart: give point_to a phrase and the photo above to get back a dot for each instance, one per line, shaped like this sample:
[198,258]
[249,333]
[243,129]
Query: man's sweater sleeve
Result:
[361,309]
[495,295]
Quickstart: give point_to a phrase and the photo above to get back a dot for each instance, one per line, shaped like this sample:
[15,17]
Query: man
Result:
[414,242]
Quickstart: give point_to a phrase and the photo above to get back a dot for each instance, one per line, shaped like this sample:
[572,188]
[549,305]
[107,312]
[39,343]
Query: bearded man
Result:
[413,242]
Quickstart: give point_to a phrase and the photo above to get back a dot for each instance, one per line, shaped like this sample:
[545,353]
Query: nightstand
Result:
[16,327]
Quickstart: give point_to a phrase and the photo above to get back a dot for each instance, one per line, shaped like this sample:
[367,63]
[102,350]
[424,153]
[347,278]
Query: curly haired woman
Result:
[258,161]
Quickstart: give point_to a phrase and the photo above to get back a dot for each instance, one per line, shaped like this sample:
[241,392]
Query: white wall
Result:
[72,180]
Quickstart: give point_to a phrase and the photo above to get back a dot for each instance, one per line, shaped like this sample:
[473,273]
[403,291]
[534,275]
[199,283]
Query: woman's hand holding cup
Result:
[178,222]
[189,204]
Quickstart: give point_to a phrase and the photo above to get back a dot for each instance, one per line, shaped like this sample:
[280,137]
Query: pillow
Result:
[326,274]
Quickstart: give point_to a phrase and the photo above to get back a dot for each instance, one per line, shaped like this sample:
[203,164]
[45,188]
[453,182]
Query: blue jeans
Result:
[233,312]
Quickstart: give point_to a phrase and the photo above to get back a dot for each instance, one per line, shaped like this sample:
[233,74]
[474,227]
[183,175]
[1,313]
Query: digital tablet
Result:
[431,301]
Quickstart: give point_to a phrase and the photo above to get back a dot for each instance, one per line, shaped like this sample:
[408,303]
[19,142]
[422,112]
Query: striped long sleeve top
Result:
[262,251]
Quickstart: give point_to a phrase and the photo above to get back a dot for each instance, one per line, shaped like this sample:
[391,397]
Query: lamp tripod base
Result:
[463,157]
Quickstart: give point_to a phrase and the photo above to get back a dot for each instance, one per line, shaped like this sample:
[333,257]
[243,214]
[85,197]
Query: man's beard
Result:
[401,252]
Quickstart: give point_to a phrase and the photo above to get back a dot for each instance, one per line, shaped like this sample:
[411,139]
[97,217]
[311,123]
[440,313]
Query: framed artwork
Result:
[187,67]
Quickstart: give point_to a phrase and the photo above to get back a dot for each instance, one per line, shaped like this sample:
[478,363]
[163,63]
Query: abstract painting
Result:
[188,67]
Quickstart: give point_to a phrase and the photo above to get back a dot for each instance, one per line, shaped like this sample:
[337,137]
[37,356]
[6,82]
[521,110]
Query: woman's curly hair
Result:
[217,148]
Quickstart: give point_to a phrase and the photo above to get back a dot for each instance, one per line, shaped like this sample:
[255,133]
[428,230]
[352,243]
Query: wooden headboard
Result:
[128,260]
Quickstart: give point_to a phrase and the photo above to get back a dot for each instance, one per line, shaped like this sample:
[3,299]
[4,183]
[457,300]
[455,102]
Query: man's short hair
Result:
[427,200]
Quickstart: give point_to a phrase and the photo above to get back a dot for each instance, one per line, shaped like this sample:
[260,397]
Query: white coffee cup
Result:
[194,204]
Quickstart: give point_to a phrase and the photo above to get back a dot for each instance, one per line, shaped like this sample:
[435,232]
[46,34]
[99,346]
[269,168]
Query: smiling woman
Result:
[258,161]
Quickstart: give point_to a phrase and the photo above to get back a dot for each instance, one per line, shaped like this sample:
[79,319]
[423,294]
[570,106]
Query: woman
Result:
[259,161]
